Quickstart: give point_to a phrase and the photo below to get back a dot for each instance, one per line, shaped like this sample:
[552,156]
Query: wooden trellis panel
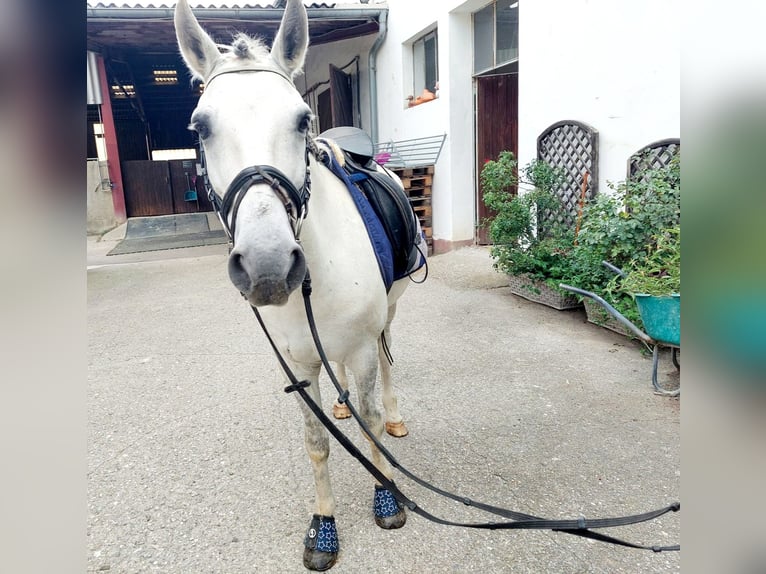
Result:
[653,156]
[572,147]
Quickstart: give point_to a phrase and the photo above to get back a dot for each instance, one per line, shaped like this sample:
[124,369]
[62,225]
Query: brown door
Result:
[183,182]
[147,188]
[341,98]
[497,120]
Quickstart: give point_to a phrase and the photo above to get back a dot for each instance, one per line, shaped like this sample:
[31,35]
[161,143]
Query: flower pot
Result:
[538,292]
[661,317]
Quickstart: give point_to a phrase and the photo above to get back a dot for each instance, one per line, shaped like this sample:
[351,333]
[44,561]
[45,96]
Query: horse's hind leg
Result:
[394,424]
[341,411]
[321,541]
[388,513]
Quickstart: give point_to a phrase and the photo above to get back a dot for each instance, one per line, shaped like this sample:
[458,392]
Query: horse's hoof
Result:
[340,411]
[392,522]
[397,429]
[321,544]
[318,560]
[389,514]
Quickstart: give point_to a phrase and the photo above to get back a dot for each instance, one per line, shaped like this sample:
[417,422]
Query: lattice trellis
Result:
[572,147]
[653,156]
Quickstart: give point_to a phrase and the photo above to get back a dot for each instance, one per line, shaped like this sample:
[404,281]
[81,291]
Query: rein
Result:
[518,521]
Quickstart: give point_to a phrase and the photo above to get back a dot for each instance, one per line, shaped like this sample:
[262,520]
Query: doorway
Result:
[497,128]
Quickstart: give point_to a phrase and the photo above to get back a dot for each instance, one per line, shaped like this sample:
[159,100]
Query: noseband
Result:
[295,200]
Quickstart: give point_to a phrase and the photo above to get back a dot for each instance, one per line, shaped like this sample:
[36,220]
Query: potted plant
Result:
[655,285]
[530,244]
[623,228]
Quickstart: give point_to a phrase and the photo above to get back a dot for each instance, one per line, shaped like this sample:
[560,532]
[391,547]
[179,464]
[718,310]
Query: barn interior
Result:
[151,92]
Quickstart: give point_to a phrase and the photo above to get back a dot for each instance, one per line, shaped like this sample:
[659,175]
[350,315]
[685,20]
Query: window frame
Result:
[421,65]
[495,63]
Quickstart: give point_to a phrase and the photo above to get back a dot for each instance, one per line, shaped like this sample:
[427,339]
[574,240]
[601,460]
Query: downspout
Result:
[382,30]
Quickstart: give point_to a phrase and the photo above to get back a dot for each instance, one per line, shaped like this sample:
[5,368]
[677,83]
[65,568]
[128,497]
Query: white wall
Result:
[100,206]
[453,197]
[614,65]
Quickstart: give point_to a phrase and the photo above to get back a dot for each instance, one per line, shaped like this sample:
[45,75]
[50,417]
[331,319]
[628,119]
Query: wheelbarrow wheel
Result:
[659,389]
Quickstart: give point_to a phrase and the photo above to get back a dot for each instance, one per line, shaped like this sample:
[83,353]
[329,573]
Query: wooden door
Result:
[497,121]
[183,178]
[147,188]
[341,98]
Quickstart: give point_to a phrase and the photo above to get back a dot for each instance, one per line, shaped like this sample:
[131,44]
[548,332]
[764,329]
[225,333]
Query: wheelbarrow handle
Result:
[614,269]
[612,311]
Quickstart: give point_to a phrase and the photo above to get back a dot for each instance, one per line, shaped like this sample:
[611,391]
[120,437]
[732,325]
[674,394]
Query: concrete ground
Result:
[196,460]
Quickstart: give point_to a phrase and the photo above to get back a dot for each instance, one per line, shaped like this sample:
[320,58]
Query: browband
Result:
[250,68]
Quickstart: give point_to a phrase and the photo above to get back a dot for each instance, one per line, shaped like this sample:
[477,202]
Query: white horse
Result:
[250,114]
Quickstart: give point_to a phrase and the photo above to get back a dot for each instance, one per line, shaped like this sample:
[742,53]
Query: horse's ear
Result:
[292,39]
[197,48]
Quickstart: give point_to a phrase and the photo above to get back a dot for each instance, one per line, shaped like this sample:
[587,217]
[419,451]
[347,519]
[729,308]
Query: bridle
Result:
[294,199]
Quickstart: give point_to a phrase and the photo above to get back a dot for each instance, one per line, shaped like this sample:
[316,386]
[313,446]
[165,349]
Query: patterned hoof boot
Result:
[321,544]
[389,514]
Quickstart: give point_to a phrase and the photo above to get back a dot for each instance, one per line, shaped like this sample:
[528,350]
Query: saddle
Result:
[385,195]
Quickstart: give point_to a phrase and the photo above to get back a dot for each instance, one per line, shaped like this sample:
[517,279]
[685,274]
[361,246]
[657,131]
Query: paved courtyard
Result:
[195,455]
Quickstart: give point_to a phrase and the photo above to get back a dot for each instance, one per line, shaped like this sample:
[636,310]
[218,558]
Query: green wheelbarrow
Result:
[662,319]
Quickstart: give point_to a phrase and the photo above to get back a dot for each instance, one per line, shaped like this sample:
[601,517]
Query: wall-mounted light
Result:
[165,77]
[123,91]
[514,5]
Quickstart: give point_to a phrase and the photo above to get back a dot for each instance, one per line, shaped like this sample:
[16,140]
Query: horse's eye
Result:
[202,129]
[304,124]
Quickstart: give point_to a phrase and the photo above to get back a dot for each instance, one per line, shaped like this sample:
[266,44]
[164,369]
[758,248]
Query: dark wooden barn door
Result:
[147,188]
[160,188]
[184,178]
[341,98]
[497,121]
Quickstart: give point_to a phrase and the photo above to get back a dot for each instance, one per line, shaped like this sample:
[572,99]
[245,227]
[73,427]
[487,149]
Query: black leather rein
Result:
[578,527]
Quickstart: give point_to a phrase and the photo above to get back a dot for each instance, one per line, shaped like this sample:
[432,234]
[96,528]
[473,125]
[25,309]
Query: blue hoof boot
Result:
[389,514]
[321,543]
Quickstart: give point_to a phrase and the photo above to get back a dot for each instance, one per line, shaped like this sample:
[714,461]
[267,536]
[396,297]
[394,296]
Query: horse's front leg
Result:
[321,541]
[388,512]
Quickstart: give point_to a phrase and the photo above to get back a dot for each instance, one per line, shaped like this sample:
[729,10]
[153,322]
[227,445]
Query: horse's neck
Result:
[333,229]
[330,205]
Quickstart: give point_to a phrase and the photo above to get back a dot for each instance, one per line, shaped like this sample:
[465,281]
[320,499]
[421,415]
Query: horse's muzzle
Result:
[267,280]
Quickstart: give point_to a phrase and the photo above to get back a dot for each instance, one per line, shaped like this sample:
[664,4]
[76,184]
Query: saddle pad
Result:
[380,243]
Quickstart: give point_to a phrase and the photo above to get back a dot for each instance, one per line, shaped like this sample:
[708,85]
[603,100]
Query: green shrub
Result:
[526,234]
[660,273]
[624,228]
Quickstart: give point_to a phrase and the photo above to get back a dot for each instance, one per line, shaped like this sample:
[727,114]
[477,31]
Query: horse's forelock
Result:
[246,47]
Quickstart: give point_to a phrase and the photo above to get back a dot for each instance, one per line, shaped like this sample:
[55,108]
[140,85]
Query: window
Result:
[495,35]
[425,69]
[506,33]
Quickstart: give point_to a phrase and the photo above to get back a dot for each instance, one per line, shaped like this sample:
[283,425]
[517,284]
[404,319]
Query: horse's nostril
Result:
[297,269]
[238,274]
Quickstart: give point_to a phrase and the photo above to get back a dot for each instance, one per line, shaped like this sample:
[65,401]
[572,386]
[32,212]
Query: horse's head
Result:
[251,116]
